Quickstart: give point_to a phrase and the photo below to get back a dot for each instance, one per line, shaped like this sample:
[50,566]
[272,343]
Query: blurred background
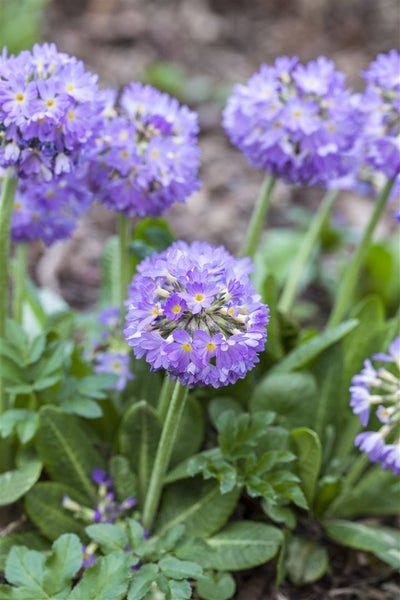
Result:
[196,50]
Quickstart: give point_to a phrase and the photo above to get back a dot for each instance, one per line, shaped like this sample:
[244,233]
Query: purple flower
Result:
[393,355]
[193,311]
[49,110]
[146,155]
[370,442]
[379,388]
[109,317]
[295,121]
[89,557]
[49,211]
[115,363]
[376,155]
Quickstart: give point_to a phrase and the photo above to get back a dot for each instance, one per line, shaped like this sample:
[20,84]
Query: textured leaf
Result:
[14,484]
[307,447]
[292,396]
[243,545]
[383,542]
[30,539]
[180,569]
[306,562]
[107,579]
[217,586]
[68,454]
[139,436]
[24,567]
[110,537]
[141,582]
[197,504]
[63,563]
[43,503]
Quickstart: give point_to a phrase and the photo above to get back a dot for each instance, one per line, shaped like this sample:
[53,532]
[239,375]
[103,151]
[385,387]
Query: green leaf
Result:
[217,586]
[21,421]
[24,567]
[306,561]
[83,407]
[36,348]
[197,504]
[383,542]
[107,579]
[14,484]
[138,437]
[180,569]
[30,539]
[63,564]
[110,537]
[292,396]
[221,404]
[68,454]
[243,545]
[307,447]
[310,349]
[125,481]
[43,503]
[142,581]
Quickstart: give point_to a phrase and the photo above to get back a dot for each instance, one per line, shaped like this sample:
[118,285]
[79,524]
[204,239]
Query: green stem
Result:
[123,237]
[20,274]
[164,450]
[347,284]
[9,186]
[258,217]
[302,257]
[165,397]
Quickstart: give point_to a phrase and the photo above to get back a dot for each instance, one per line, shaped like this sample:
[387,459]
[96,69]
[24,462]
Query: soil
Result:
[217,43]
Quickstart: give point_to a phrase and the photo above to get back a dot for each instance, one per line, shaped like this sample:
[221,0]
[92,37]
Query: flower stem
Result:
[123,237]
[164,450]
[165,397]
[358,468]
[9,186]
[303,255]
[258,217]
[20,273]
[347,284]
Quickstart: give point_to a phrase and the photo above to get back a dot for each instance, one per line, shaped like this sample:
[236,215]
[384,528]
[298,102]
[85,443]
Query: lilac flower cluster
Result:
[146,156]
[375,156]
[110,354]
[295,121]
[107,509]
[193,312]
[48,111]
[379,388]
[49,210]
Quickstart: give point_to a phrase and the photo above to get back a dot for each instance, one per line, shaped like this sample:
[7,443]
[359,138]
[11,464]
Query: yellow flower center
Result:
[116,366]
[50,102]
[199,297]
[20,97]
[154,312]
[70,87]
[154,153]
[71,115]
[176,309]
[17,205]
[123,135]
[187,347]
[297,114]
[124,154]
[210,346]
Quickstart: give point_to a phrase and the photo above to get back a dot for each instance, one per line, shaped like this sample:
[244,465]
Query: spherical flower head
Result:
[49,211]
[376,155]
[295,121]
[49,110]
[146,155]
[193,311]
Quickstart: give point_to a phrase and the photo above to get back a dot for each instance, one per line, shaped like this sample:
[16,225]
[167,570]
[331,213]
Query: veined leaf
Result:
[243,545]
[14,484]
[68,455]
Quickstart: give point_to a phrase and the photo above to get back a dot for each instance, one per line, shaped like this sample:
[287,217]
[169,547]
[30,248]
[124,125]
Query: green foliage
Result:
[14,484]
[20,23]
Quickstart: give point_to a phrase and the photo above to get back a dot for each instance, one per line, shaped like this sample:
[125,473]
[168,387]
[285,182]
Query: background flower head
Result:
[295,121]
[48,111]
[146,155]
